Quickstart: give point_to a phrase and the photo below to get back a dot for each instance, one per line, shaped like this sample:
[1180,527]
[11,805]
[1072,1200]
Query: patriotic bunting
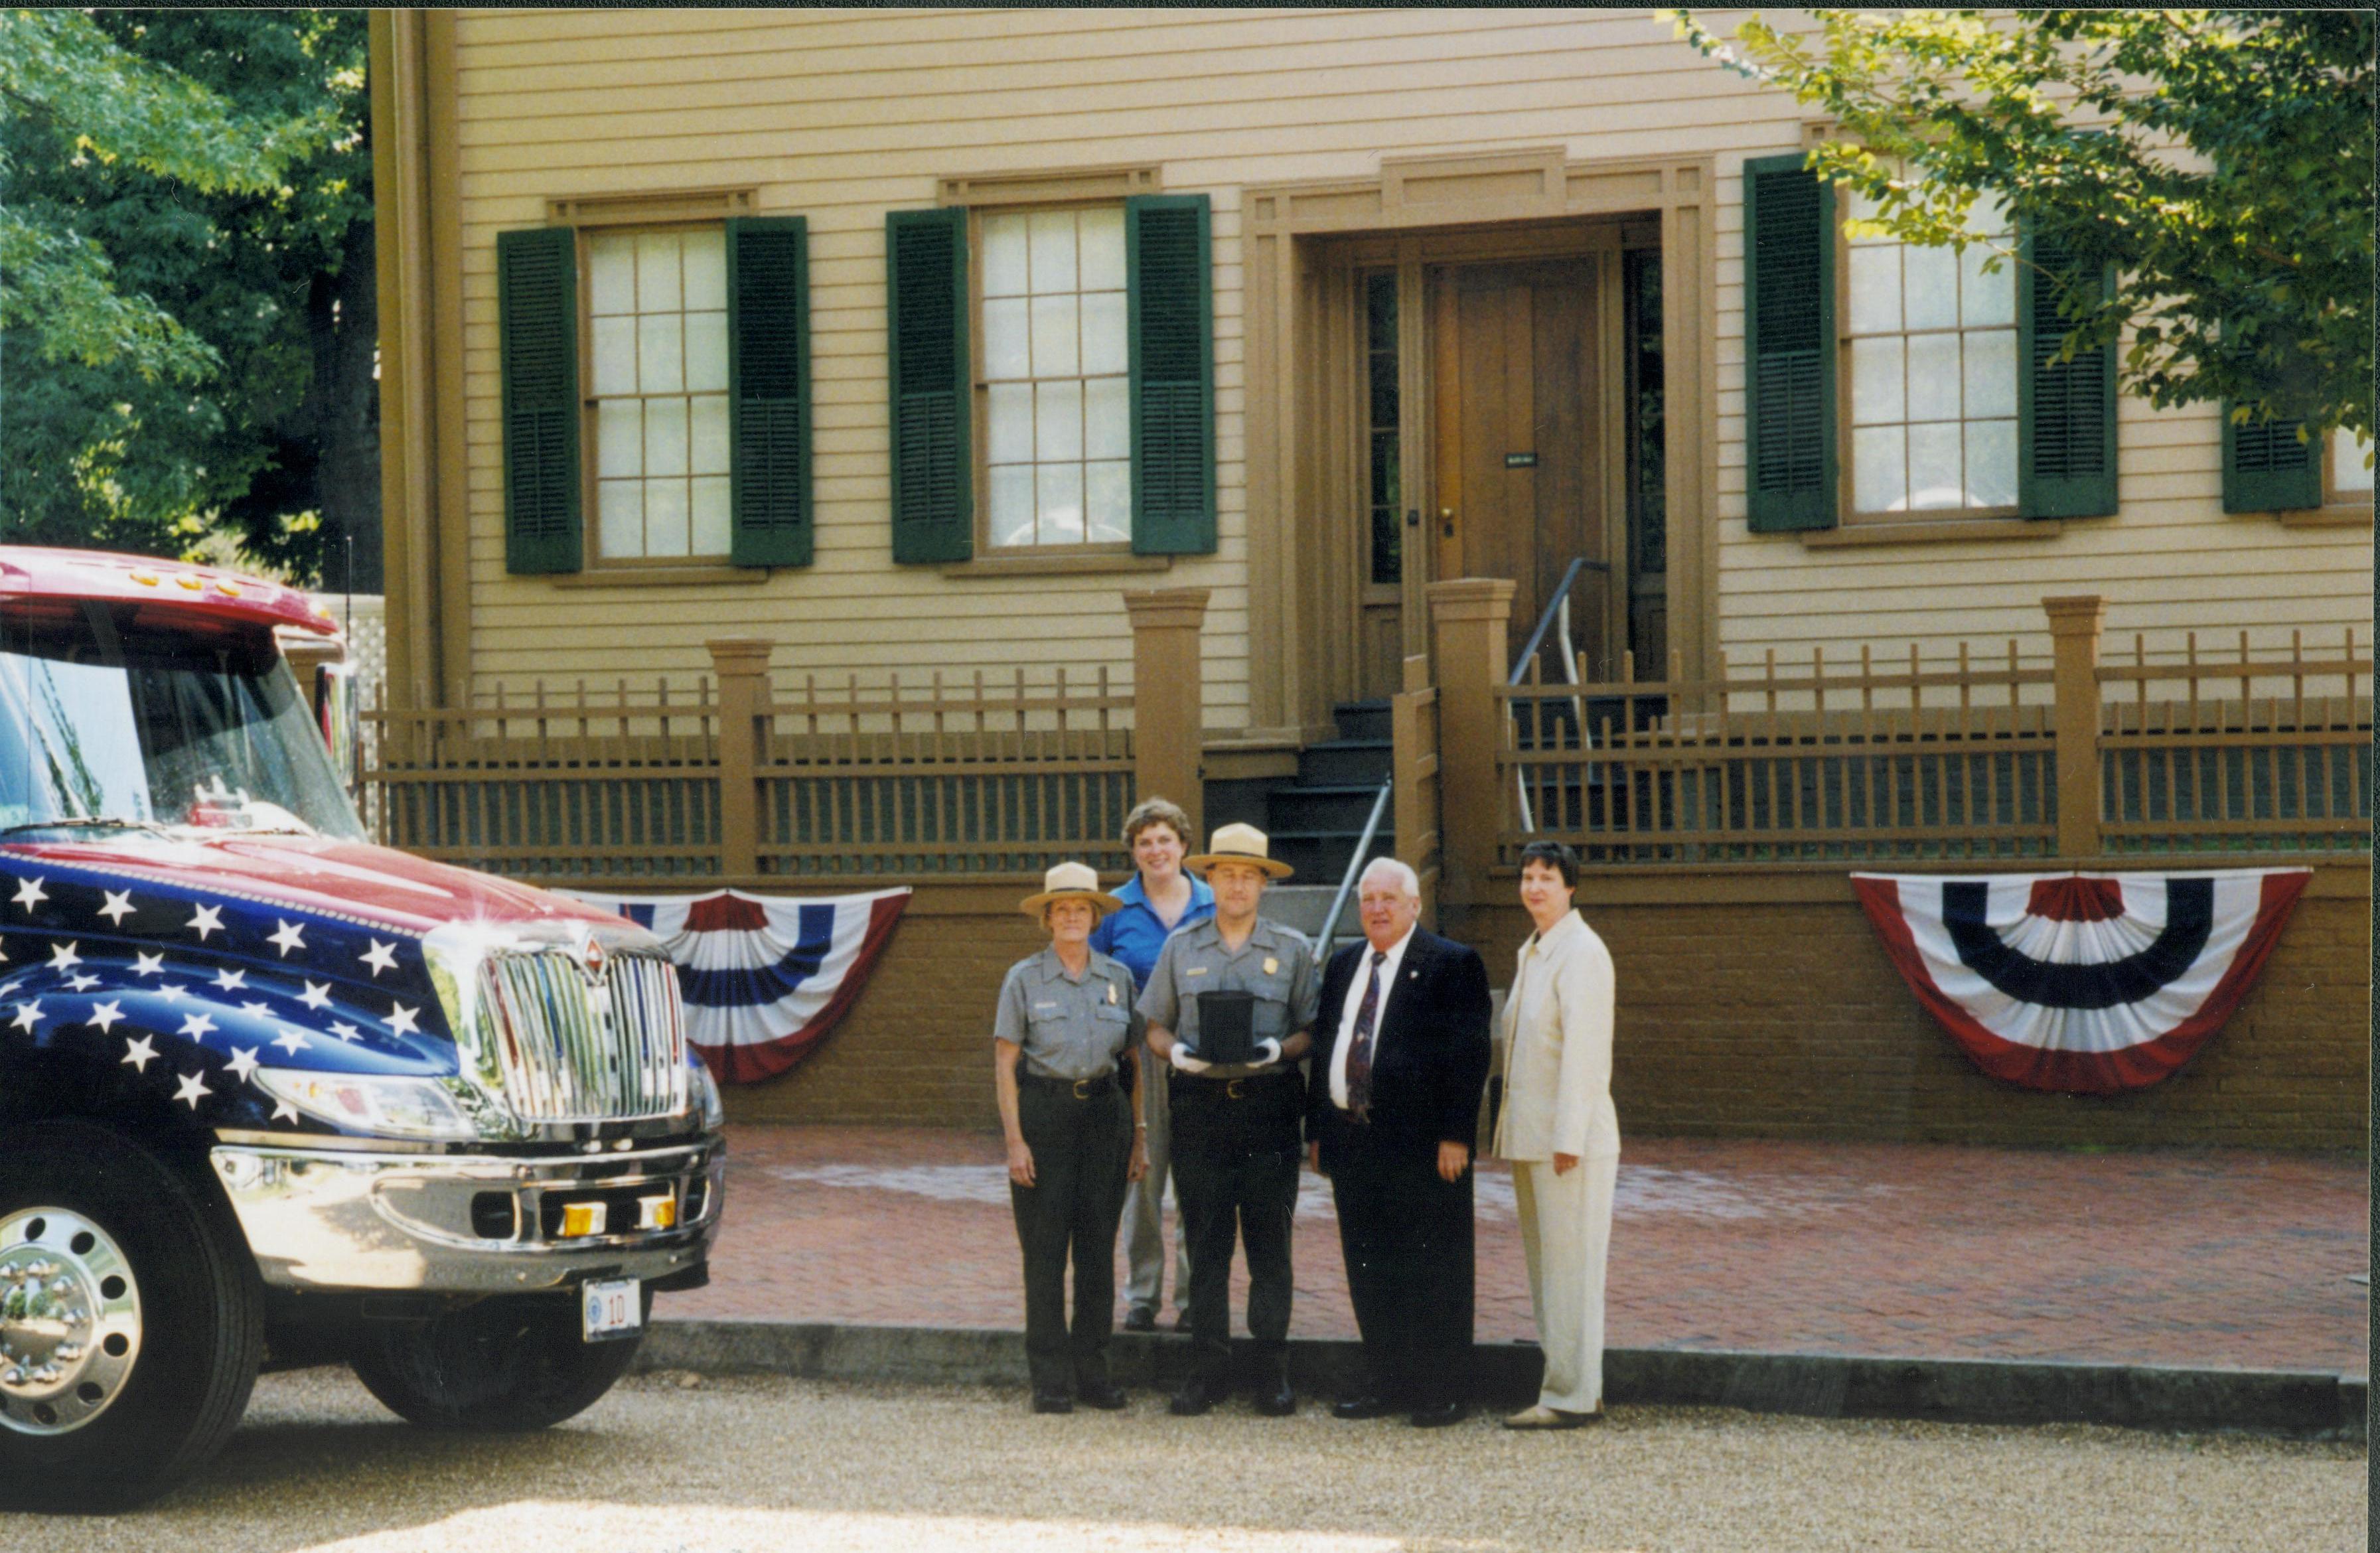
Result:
[2077,983]
[764,977]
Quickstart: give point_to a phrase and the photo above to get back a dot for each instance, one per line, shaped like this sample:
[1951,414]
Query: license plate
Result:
[610,1310]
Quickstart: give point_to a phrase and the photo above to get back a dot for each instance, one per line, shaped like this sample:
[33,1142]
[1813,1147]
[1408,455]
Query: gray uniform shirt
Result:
[1067,1028]
[1276,963]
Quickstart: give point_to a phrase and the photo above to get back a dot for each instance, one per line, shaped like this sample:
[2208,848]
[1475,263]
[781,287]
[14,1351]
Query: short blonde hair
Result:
[1155,811]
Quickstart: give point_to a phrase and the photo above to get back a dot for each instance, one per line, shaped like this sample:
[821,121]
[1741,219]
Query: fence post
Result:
[1468,618]
[1168,699]
[1412,726]
[2074,625]
[742,665]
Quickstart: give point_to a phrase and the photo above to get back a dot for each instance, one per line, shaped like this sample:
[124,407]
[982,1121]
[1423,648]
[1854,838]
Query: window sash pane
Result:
[2349,475]
[1985,300]
[707,455]
[661,352]
[658,283]
[1877,394]
[711,516]
[611,274]
[1103,250]
[1991,463]
[1929,287]
[616,355]
[665,517]
[1053,248]
[1058,496]
[1108,501]
[706,353]
[1007,339]
[1107,346]
[1936,476]
[1991,373]
[1875,289]
[1012,504]
[666,439]
[1107,419]
[620,437]
[1057,338]
[1010,414]
[1932,379]
[620,506]
[1004,255]
[1879,469]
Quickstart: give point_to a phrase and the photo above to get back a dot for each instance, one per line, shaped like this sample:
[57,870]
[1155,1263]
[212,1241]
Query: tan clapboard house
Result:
[1275,362]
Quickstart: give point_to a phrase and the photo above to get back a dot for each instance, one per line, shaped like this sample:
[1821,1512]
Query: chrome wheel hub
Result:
[69,1321]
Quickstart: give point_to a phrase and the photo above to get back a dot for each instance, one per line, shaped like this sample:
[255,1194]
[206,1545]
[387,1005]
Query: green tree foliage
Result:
[2220,161]
[195,362]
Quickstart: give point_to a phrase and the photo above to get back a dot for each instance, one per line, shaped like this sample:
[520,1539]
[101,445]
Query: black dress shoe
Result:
[1274,1397]
[1369,1405]
[1140,1318]
[1438,1416]
[1052,1401]
[1196,1397]
[1104,1395]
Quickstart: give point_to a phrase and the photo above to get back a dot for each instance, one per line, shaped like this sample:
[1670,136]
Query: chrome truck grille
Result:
[573,1048]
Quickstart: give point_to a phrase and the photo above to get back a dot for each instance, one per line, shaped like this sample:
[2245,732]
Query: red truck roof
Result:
[207,590]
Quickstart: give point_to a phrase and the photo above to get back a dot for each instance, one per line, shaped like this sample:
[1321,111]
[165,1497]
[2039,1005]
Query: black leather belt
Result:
[1080,1089]
[1246,1086]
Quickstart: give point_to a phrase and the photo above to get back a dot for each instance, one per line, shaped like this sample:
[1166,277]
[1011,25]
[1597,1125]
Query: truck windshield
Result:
[112,719]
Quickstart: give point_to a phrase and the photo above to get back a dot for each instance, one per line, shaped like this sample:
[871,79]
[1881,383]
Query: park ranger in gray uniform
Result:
[1236,1128]
[1065,1023]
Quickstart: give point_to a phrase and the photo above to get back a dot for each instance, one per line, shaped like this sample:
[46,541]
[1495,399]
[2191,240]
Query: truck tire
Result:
[132,1319]
[505,1365]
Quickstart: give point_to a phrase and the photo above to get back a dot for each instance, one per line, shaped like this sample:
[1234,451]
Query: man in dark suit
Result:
[1400,1053]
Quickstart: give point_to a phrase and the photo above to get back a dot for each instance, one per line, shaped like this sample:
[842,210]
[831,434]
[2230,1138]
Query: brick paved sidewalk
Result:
[2191,1259]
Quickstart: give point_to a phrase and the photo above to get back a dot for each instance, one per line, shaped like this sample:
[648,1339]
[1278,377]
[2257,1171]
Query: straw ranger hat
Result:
[1239,843]
[1070,881]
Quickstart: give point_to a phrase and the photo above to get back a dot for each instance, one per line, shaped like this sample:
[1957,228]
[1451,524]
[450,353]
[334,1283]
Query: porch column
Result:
[742,665]
[2074,625]
[1467,618]
[1168,699]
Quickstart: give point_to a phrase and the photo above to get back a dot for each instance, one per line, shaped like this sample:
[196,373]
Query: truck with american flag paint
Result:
[271,1094]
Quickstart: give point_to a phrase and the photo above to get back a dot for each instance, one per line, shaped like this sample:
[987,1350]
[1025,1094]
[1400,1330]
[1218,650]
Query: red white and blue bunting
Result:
[764,977]
[2083,984]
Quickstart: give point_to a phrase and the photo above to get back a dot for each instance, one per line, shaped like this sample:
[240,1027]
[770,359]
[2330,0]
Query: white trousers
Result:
[1565,1232]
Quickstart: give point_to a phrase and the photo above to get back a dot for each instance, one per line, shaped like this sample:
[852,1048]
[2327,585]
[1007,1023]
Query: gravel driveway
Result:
[672,1464]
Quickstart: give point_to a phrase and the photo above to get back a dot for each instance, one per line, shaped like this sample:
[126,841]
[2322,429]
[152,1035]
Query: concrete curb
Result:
[2295,1403]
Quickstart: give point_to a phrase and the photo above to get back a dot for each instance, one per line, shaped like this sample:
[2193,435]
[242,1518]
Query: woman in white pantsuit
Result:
[1558,1128]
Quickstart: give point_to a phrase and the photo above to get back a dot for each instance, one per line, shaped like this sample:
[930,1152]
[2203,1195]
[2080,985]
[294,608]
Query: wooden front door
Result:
[1524,360]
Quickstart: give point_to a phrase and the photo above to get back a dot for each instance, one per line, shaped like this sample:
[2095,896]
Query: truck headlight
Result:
[412,1108]
[705,1092]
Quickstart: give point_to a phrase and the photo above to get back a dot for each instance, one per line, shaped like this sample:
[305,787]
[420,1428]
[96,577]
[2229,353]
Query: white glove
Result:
[1267,1052]
[1181,1059]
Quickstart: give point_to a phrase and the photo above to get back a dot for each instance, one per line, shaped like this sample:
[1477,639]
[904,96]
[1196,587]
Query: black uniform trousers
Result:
[1408,1242]
[1082,1151]
[1235,1160]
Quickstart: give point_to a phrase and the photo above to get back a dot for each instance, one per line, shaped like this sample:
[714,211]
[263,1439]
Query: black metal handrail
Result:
[1553,607]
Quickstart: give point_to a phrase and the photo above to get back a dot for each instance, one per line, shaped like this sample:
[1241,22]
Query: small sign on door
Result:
[1520,461]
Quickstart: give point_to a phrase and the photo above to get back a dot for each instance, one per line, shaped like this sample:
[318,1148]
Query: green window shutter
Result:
[2266,469]
[769,390]
[933,468]
[2066,413]
[536,310]
[1789,325]
[1171,306]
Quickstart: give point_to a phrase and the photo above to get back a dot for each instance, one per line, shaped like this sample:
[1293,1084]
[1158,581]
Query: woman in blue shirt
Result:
[1156,900]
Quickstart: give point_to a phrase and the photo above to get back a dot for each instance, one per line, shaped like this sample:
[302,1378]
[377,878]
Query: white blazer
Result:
[1558,1049]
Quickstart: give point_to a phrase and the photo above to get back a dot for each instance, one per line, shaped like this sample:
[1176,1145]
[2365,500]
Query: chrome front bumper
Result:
[321,1219]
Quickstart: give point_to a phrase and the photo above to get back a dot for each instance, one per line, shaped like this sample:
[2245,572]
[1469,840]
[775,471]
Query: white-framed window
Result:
[1054,389]
[657,348]
[1929,352]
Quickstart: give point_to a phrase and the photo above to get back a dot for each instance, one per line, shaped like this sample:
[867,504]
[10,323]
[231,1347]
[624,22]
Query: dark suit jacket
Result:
[1430,1054]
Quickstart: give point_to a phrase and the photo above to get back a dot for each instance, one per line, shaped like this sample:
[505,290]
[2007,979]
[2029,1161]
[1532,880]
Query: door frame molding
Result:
[1301,573]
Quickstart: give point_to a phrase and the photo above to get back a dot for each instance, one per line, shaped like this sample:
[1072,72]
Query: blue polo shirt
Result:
[1133,934]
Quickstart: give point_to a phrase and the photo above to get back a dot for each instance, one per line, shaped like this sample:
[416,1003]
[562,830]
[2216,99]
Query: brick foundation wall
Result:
[1753,1005]
[1782,1018]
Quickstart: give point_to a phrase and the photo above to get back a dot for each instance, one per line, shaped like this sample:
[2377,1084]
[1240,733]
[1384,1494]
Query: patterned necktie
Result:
[1359,1055]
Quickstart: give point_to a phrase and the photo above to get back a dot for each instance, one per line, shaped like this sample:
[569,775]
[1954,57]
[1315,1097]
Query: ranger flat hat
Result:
[1070,881]
[1239,843]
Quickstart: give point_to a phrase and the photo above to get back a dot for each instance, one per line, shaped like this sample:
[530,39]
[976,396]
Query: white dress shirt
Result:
[1355,1004]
